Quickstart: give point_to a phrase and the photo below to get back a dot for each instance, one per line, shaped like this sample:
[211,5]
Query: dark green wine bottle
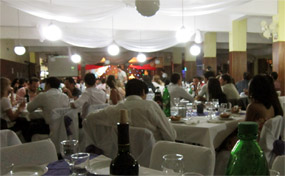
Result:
[166,102]
[247,158]
[124,163]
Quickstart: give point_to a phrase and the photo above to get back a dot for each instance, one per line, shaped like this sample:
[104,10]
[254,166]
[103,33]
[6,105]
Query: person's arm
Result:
[251,112]
[113,96]
[68,92]
[36,103]
[20,95]
[80,101]
[185,95]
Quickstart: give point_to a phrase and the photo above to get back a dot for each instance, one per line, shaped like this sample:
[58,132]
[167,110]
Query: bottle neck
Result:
[123,138]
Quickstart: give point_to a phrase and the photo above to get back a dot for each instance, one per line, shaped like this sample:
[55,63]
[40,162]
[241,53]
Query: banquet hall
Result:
[100,46]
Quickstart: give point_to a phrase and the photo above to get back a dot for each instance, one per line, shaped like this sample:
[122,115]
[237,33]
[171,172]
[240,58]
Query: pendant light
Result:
[19,49]
[183,34]
[113,49]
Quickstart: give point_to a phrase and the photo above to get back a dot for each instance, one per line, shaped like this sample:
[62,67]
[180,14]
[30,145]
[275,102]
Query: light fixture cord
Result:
[183,13]
[113,28]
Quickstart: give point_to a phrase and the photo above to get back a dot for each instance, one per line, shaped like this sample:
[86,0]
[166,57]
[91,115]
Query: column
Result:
[210,51]
[177,59]
[278,47]
[237,53]
[190,63]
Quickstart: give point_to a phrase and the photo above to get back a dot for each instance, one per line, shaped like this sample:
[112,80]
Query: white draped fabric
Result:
[73,17]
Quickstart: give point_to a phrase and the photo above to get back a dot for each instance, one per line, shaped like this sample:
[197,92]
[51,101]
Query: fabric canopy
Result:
[144,67]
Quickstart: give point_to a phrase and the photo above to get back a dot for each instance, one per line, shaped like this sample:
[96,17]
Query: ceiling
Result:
[89,26]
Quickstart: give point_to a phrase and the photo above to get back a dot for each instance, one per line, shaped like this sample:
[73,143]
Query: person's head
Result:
[103,80]
[225,79]
[196,80]
[214,88]
[5,85]
[208,74]
[52,82]
[175,78]
[15,83]
[69,83]
[262,90]
[89,79]
[247,76]
[23,82]
[146,79]
[34,84]
[274,75]
[119,68]
[111,81]
[136,87]
[209,68]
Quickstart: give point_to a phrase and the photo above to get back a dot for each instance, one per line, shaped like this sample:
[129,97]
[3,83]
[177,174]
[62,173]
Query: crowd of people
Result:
[120,93]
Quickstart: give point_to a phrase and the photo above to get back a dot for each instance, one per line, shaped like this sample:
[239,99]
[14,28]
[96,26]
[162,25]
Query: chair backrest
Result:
[8,138]
[33,153]
[196,158]
[271,131]
[64,125]
[105,137]
[96,107]
[282,102]
[278,164]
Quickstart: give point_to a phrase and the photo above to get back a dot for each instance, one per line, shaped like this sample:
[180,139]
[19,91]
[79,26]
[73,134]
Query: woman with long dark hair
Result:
[215,91]
[115,96]
[264,100]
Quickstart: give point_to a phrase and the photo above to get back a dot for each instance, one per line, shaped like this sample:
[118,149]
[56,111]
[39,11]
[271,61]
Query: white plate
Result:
[100,167]
[230,118]
[28,170]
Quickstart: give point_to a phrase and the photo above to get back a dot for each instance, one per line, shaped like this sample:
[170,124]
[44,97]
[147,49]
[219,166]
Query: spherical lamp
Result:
[76,58]
[113,50]
[141,57]
[195,50]
[19,50]
[52,32]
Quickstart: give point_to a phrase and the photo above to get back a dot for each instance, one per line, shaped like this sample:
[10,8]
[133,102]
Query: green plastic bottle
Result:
[166,102]
[247,158]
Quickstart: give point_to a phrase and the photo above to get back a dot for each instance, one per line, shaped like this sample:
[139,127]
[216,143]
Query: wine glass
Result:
[176,101]
[215,104]
[69,147]
[210,107]
[172,164]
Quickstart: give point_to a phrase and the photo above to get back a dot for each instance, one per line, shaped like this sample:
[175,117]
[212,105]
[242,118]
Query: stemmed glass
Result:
[172,164]
[210,108]
[174,110]
[176,101]
[69,147]
[215,104]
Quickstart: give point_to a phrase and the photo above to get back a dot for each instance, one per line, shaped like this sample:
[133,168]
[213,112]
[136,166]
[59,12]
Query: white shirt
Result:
[6,105]
[161,88]
[177,91]
[231,91]
[91,95]
[141,113]
[48,101]
[121,76]
[204,91]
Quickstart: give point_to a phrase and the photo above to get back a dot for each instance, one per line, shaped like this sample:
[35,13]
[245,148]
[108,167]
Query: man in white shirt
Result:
[228,87]
[142,113]
[47,101]
[176,91]
[91,95]
[122,76]
[204,90]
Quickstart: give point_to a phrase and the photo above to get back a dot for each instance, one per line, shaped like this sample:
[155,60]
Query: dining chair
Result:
[105,136]
[278,164]
[33,153]
[271,131]
[196,158]
[96,107]
[9,138]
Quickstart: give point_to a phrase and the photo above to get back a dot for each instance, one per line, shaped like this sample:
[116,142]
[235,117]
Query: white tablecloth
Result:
[204,133]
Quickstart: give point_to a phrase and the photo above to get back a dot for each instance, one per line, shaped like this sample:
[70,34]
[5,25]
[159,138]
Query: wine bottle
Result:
[158,98]
[247,158]
[124,163]
[166,102]
[27,97]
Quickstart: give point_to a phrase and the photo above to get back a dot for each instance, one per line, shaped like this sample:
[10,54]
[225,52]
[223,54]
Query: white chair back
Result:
[271,131]
[105,137]
[33,153]
[8,138]
[278,164]
[282,102]
[96,107]
[196,158]
[58,130]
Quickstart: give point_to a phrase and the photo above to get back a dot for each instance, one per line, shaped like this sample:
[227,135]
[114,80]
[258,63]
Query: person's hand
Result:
[245,91]
[64,89]
[11,90]
[22,106]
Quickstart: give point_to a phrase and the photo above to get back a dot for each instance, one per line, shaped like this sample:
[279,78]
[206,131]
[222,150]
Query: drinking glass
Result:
[80,163]
[172,164]
[174,111]
[273,172]
[176,101]
[223,107]
[210,107]
[68,147]
[216,104]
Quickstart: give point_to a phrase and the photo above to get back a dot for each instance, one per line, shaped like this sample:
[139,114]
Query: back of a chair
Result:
[271,131]
[196,158]
[278,164]
[282,102]
[33,153]
[8,138]
[105,137]
[96,107]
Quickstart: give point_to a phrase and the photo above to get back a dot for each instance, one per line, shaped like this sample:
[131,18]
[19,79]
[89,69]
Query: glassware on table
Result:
[176,101]
[80,163]
[172,164]
[174,111]
[273,172]
[210,107]
[189,108]
[223,107]
[68,147]
[216,104]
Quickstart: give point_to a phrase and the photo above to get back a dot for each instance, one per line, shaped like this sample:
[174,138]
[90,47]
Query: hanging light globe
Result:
[113,50]
[19,50]
[195,50]
[52,32]
[141,57]
[76,58]
[183,35]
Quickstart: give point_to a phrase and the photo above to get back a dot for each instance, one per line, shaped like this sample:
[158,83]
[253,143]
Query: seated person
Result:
[70,89]
[228,87]
[142,113]
[176,90]
[115,95]
[215,91]
[203,94]
[243,84]
[277,85]
[91,95]
[31,91]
